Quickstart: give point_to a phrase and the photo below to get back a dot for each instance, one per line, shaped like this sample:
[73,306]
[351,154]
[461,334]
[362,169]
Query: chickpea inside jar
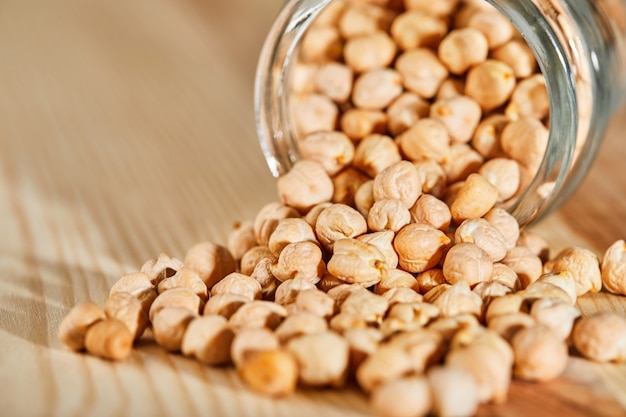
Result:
[500,103]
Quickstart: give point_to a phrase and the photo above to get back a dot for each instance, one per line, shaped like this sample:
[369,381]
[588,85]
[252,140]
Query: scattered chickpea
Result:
[332,150]
[467,262]
[433,176]
[429,279]
[339,221]
[376,89]
[421,71]
[601,337]
[374,153]
[490,83]
[358,262]
[419,246]
[322,358]
[176,297]
[516,54]
[188,278]
[248,343]
[257,314]
[169,325]
[529,99]
[582,263]
[225,304]
[299,260]
[334,80]
[404,397]
[358,123]
[430,210]
[460,115]
[127,309]
[539,354]
[525,264]
[305,185]
[370,51]
[384,242]
[109,339]
[74,326]
[614,268]
[413,29]
[426,139]
[266,221]
[211,261]
[463,48]
[484,235]
[345,184]
[299,324]
[475,198]
[555,314]
[160,268]
[454,392]
[236,283]
[271,372]
[400,181]
[405,110]
[208,339]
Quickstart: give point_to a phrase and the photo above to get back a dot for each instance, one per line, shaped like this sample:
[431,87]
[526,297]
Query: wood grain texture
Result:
[127,129]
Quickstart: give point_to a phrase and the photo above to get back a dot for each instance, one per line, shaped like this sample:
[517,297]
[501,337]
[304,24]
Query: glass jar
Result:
[579,46]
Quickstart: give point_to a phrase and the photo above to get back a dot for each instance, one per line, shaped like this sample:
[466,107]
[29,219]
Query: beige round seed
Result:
[209,340]
[419,246]
[74,326]
[334,80]
[426,139]
[414,29]
[109,339]
[181,297]
[486,139]
[383,240]
[266,221]
[429,279]
[241,239]
[161,267]
[139,285]
[169,326]
[454,392]
[497,29]
[339,221]
[299,260]
[407,109]
[376,89]
[442,8]
[463,48]
[363,18]
[250,342]
[253,257]
[305,185]
[322,358]
[537,244]
[388,215]
[188,278]
[257,314]
[614,268]
[129,310]
[463,161]
[224,304]
[321,43]
[433,177]
[332,150]
[346,183]
[421,71]
[582,263]
[211,261]
[376,152]
[504,174]
[490,83]
[288,290]
[539,354]
[288,231]
[400,181]
[601,337]
[475,198]
[506,224]
[460,115]
[484,235]
[525,264]
[312,113]
[517,54]
[430,210]
[237,283]
[525,141]
[357,262]
[404,397]
[556,314]
[358,123]
[367,52]
[272,372]
[467,262]
[529,99]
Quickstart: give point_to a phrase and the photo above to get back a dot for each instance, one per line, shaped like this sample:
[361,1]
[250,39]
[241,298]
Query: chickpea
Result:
[299,260]
[460,115]
[388,215]
[525,141]
[346,183]
[404,397]
[614,268]
[421,71]
[376,89]
[463,162]
[383,240]
[338,221]
[497,29]
[357,262]
[433,176]
[467,262]
[414,29]
[601,337]
[426,139]
[529,99]
[430,210]
[312,113]
[504,174]
[419,246]
[371,51]
[463,48]
[305,185]
[475,198]
[539,354]
[358,123]
[332,150]
[376,152]
[518,55]
[484,235]
[400,181]
[360,19]
[525,264]
[582,263]
[288,231]
[506,224]
[490,83]
[486,138]
[364,198]
[405,110]
[334,80]
[320,44]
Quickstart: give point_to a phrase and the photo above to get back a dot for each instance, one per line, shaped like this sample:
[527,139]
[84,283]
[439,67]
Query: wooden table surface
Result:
[126,129]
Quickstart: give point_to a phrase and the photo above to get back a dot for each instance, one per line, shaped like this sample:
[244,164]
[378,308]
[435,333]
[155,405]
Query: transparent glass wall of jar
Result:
[578,44]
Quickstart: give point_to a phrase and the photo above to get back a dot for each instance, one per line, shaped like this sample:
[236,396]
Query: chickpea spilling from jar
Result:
[389,258]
